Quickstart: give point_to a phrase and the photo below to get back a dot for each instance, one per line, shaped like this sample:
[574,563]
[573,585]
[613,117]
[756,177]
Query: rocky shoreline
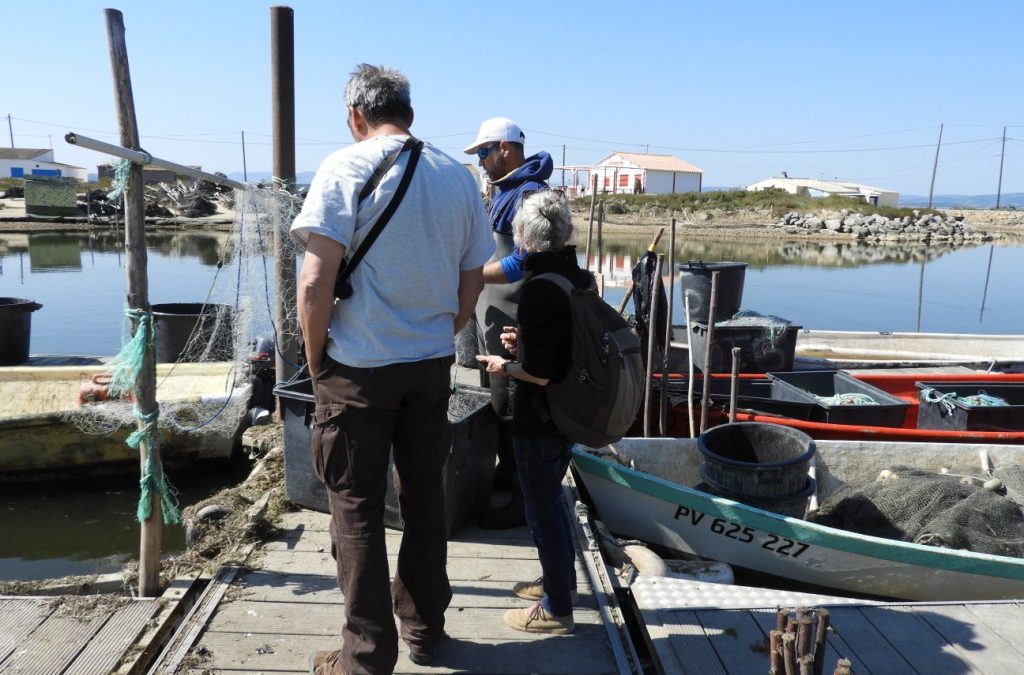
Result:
[947,227]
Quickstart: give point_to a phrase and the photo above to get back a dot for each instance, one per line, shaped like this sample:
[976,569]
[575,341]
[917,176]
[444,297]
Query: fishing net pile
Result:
[227,327]
[979,513]
[768,332]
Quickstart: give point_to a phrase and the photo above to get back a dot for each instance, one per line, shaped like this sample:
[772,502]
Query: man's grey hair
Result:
[381,94]
[543,222]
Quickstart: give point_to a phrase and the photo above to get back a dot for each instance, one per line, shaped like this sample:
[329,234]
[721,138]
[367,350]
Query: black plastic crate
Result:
[760,351]
[468,473]
[954,414]
[809,385]
[755,394]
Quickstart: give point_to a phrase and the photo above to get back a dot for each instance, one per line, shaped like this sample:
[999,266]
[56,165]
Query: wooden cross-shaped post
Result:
[138,287]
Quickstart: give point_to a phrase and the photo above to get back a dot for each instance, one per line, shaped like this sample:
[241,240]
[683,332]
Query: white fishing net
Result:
[210,346]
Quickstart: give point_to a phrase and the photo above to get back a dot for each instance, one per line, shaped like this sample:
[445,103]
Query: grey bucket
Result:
[695,285]
[210,325]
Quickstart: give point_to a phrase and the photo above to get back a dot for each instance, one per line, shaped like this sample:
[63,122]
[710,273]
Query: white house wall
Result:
[660,182]
[27,165]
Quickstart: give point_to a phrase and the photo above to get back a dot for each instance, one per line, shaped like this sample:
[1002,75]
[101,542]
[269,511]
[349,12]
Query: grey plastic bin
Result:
[468,473]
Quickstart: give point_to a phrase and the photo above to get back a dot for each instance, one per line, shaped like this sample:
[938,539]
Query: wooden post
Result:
[789,653]
[652,320]
[804,641]
[819,641]
[707,352]
[935,167]
[775,652]
[138,288]
[590,223]
[663,407]
[806,664]
[282,65]
[689,364]
[734,381]
[600,239]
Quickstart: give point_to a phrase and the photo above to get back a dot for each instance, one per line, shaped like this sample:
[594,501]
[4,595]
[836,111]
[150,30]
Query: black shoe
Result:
[504,517]
[423,654]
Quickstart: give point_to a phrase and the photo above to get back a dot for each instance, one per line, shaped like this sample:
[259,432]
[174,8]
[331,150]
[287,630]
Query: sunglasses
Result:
[483,152]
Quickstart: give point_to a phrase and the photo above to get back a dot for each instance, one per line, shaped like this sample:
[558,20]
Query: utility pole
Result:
[563,166]
[245,171]
[935,167]
[1002,156]
[10,129]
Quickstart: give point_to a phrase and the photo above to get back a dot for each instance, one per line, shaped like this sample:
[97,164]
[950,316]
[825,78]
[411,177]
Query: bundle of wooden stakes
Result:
[797,645]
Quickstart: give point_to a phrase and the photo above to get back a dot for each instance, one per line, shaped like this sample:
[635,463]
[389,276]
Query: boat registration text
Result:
[742,534]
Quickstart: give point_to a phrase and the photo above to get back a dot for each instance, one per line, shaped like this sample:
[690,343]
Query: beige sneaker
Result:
[536,620]
[534,590]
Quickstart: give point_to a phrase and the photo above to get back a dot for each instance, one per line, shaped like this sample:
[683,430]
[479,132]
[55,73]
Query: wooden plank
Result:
[326,619]
[925,650]
[686,649]
[835,648]
[1005,620]
[53,645]
[110,644]
[459,569]
[868,649]
[18,618]
[321,543]
[973,640]
[271,586]
[554,655]
[741,645]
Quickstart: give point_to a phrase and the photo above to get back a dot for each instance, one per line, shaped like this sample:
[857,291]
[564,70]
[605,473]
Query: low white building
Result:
[638,173]
[825,188]
[21,162]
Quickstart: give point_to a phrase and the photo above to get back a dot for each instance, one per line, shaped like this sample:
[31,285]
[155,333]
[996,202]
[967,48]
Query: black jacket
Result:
[545,333]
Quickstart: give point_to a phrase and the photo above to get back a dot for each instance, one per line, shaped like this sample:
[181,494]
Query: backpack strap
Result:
[567,286]
[342,288]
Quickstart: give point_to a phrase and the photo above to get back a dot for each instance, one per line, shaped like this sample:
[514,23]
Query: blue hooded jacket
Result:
[530,176]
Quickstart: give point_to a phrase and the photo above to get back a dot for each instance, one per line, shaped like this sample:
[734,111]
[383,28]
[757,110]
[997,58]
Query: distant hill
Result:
[1014,199]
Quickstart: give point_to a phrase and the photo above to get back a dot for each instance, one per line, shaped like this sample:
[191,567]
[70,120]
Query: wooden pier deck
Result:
[80,635]
[718,636]
[285,604]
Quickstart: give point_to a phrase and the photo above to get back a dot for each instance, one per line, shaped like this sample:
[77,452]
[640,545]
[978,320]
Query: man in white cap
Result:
[499,147]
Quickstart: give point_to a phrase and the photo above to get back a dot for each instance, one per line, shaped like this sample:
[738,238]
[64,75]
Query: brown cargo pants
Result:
[361,415]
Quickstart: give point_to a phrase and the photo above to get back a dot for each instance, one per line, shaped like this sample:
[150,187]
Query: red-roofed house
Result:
[637,173]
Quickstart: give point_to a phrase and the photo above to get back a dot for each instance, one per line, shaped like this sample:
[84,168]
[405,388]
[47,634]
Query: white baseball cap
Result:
[494,130]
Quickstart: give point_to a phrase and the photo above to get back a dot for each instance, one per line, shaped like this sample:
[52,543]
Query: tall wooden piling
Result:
[138,287]
[282,65]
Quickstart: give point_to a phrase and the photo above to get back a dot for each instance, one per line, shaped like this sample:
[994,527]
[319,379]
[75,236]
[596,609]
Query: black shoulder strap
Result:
[341,286]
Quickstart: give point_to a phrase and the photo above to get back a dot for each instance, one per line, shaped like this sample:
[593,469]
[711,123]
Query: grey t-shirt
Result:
[405,291]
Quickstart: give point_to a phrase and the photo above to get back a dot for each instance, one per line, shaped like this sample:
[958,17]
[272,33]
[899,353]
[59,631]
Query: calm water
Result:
[79,279]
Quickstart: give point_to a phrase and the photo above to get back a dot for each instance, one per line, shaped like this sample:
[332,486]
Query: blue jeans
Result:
[541,462]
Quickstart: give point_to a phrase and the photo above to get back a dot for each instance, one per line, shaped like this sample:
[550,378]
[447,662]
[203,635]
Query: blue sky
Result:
[743,90]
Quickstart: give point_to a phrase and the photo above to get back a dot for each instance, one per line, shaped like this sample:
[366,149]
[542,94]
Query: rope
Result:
[949,399]
[153,476]
[847,399]
[124,375]
[122,169]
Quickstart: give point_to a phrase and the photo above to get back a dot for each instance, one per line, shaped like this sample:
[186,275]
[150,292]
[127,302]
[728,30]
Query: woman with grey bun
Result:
[542,344]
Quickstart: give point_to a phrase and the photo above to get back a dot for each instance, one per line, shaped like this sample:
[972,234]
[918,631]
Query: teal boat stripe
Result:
[808,533]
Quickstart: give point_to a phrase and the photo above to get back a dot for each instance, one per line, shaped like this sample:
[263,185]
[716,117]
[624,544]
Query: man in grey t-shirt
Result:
[380,362]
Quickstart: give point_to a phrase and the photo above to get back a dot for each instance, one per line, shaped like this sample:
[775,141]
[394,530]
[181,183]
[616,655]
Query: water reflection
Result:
[62,251]
[619,246]
[54,252]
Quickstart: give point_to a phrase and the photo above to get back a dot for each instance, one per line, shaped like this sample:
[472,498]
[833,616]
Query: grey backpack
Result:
[597,400]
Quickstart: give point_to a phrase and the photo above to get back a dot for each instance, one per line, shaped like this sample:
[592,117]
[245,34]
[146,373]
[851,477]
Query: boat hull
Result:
[673,515]
[37,443]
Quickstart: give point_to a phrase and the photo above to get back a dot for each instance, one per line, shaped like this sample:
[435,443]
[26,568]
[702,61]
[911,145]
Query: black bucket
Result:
[756,460]
[695,284]
[210,327]
[15,329]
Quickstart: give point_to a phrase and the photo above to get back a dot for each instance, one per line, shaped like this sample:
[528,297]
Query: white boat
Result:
[860,349]
[39,443]
[643,489]
[850,349]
